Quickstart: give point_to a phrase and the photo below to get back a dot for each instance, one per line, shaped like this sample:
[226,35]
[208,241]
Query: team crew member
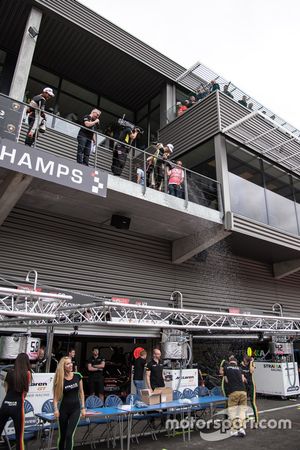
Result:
[17,383]
[248,367]
[237,396]
[154,371]
[139,370]
[96,366]
[40,364]
[222,368]
[71,355]
[86,137]
[127,136]
[68,390]
[36,113]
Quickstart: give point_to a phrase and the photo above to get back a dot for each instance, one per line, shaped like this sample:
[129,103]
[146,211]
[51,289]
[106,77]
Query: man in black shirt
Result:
[154,371]
[95,367]
[138,371]
[36,113]
[243,101]
[248,367]
[127,136]
[237,396]
[40,364]
[86,136]
[71,355]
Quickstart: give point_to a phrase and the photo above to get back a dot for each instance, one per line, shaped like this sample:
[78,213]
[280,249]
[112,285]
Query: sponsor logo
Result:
[39,384]
[15,106]
[11,128]
[272,366]
[293,389]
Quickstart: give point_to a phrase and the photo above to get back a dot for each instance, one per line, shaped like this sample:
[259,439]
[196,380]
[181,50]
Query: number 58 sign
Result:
[33,345]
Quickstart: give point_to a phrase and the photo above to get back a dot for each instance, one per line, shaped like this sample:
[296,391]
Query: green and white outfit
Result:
[69,413]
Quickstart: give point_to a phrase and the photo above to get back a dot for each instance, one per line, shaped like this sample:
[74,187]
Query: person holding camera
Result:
[86,136]
[127,136]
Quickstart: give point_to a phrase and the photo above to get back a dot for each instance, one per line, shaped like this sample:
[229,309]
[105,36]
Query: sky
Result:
[253,43]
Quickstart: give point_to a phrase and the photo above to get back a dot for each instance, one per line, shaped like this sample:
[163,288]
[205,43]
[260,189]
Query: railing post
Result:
[220,199]
[96,151]
[130,164]
[166,179]
[186,193]
[145,173]
[37,128]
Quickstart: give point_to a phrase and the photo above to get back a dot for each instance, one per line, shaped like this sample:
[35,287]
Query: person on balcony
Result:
[226,91]
[201,93]
[158,165]
[243,101]
[192,101]
[86,136]
[214,86]
[36,114]
[127,136]
[180,108]
[176,179]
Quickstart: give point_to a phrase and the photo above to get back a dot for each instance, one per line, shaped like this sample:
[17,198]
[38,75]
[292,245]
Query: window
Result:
[141,113]
[44,77]
[201,159]
[154,124]
[79,92]
[280,199]
[260,190]
[116,109]
[68,105]
[244,164]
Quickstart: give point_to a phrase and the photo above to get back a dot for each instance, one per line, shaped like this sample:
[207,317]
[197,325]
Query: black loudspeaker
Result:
[120,222]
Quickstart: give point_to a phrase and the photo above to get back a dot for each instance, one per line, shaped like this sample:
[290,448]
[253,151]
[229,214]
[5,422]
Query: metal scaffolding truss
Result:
[30,307]
[27,304]
[270,139]
[116,314]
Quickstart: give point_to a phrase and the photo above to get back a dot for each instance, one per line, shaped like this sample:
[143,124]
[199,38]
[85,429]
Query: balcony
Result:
[152,212]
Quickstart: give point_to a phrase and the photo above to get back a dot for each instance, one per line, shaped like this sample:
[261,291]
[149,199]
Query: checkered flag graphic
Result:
[97,184]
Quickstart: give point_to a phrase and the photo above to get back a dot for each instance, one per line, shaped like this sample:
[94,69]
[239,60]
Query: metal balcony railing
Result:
[60,139]
[205,75]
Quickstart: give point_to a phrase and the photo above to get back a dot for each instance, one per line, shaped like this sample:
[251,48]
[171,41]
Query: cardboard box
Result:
[149,397]
[159,395]
[166,394]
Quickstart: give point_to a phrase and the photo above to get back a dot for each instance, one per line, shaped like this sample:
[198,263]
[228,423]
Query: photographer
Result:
[127,136]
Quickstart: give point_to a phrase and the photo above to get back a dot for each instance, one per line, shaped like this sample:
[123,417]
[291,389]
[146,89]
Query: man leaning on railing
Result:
[36,115]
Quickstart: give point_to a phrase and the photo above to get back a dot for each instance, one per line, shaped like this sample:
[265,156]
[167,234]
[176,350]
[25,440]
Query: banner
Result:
[181,379]
[49,167]
[11,114]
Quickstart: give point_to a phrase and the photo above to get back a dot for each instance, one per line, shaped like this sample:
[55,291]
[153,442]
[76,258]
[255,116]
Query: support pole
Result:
[22,69]
[50,336]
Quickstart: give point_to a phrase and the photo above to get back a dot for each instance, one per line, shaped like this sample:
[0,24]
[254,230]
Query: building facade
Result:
[233,242]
